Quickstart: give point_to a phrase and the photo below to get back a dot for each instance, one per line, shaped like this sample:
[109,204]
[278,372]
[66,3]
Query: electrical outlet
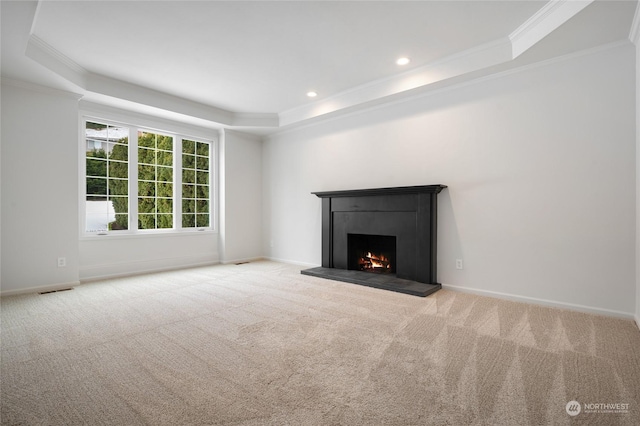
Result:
[62,262]
[459,264]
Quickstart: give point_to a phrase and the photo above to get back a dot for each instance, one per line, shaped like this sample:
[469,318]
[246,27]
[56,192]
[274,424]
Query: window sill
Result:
[147,234]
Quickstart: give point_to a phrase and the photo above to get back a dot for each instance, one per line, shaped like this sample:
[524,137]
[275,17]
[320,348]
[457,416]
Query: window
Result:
[107,184]
[195,184]
[155,181]
[168,175]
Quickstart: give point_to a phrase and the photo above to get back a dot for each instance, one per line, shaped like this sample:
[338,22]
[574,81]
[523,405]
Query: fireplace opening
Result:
[372,253]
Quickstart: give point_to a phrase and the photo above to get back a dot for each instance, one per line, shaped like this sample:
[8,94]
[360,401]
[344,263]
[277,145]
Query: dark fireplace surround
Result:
[399,223]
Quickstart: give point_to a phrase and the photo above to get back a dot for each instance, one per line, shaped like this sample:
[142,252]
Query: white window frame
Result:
[158,126]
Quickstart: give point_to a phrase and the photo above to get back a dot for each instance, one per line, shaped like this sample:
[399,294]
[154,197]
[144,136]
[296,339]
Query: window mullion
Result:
[177,182]
[133,179]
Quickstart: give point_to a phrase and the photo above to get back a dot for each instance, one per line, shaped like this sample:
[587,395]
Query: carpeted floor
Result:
[261,344]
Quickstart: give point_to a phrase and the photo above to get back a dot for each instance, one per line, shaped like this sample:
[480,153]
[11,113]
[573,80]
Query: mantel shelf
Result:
[420,189]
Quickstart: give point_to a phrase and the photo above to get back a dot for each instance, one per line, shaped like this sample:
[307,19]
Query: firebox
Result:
[382,237]
[372,253]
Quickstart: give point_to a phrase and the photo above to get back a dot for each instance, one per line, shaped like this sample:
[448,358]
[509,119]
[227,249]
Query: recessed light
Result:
[403,61]
[312,94]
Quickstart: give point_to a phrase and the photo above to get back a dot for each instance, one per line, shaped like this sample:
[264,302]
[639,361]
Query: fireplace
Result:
[372,253]
[384,238]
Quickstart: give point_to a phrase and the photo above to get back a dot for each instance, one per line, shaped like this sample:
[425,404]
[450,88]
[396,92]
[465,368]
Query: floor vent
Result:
[56,291]
[241,263]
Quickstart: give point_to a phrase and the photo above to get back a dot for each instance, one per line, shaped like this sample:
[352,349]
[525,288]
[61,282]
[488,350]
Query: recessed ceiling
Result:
[253,63]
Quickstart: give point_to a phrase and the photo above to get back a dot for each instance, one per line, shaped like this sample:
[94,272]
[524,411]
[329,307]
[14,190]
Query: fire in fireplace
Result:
[374,262]
[372,253]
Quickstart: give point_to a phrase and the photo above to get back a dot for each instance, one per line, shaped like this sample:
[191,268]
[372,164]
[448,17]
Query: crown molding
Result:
[97,110]
[255,119]
[544,22]
[47,56]
[634,34]
[468,80]
[476,58]
[38,88]
[432,76]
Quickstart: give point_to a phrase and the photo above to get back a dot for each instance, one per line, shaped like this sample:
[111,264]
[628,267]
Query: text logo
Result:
[573,408]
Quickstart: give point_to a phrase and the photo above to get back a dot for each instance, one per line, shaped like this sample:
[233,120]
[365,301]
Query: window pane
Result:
[202,163]
[146,139]
[120,204]
[202,220]
[165,221]
[146,172]
[146,205]
[165,158]
[188,147]
[147,189]
[119,152]
[165,174]
[121,223]
[202,191]
[188,176]
[202,178]
[188,161]
[165,190]
[188,220]
[118,187]
[99,213]
[96,186]
[165,205]
[146,156]
[96,167]
[165,143]
[118,169]
[188,206]
[188,191]
[202,206]
[146,221]
[203,149]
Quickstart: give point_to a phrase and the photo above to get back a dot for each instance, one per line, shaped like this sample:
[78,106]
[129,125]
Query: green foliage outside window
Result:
[107,179]
[155,181]
[195,184]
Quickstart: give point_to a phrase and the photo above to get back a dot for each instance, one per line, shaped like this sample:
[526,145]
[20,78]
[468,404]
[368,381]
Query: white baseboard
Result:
[543,302]
[637,318]
[292,262]
[31,290]
[243,260]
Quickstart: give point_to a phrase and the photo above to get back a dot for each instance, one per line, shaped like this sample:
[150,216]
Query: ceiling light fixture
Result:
[403,61]
[312,94]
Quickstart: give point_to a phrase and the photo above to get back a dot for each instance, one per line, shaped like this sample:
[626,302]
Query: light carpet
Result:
[261,344]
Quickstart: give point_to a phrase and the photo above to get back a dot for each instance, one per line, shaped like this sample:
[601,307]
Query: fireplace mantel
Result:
[408,213]
[420,189]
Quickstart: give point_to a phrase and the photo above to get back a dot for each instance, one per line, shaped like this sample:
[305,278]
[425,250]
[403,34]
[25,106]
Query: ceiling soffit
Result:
[500,51]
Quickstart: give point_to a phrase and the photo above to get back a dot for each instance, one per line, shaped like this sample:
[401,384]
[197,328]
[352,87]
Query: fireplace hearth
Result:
[383,238]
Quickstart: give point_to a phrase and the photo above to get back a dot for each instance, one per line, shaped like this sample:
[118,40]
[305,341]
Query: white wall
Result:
[110,256]
[637,44]
[241,197]
[540,166]
[39,188]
